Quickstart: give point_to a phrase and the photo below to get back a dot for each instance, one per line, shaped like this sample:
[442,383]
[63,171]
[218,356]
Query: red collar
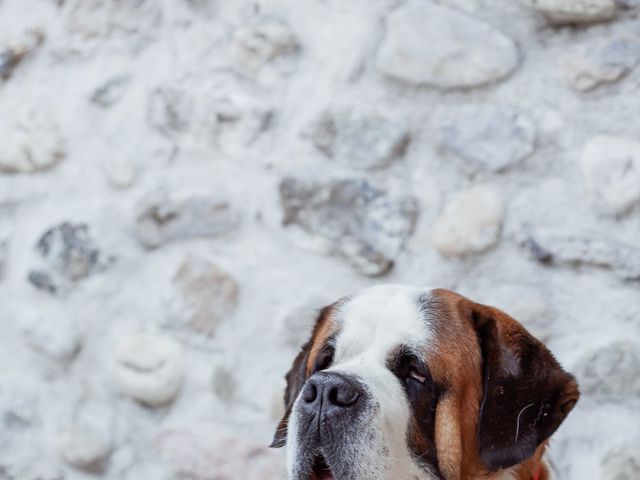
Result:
[536,476]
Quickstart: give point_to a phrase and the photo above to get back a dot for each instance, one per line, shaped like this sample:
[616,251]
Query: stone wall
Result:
[183,182]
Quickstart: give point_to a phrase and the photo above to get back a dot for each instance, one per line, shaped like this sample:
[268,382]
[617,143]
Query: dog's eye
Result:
[415,374]
[410,370]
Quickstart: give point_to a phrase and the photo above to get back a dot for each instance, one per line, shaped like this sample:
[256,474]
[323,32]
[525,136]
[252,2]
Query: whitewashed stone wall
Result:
[182,182]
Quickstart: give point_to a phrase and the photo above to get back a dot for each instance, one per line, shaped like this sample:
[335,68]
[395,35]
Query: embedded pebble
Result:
[99,18]
[489,137]
[568,12]
[262,41]
[239,121]
[452,60]
[163,218]
[364,139]
[611,171]
[352,218]
[31,143]
[470,223]
[204,295]
[550,247]
[602,62]
[149,368]
[86,448]
[121,170]
[68,254]
[11,55]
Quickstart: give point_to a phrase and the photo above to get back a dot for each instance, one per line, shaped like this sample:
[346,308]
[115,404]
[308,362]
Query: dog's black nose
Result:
[330,392]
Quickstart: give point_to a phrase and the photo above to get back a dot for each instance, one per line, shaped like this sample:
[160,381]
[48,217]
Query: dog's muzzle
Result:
[330,409]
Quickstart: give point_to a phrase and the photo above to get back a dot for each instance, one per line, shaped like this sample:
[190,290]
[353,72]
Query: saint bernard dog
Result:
[404,383]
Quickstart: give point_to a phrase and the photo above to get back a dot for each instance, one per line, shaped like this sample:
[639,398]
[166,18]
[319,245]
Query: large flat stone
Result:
[429,44]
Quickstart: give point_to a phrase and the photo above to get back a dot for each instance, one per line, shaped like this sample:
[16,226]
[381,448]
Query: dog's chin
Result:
[320,470]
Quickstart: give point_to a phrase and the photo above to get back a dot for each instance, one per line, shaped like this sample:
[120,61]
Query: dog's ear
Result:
[526,395]
[296,378]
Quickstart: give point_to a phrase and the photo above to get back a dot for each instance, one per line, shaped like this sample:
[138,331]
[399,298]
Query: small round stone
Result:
[611,170]
[424,45]
[86,449]
[470,224]
[149,368]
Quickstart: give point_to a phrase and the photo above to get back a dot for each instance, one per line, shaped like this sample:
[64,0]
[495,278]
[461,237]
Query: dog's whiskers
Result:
[518,422]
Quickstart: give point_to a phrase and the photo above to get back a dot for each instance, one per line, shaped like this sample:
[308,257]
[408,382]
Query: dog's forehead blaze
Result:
[376,321]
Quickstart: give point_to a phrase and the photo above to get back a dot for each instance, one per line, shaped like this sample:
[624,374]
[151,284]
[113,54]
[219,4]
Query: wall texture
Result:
[182,182]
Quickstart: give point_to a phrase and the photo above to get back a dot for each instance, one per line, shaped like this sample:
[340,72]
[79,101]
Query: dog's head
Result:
[405,383]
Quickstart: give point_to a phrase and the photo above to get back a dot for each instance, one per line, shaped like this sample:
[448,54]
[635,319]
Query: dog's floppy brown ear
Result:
[297,375]
[296,378]
[526,395]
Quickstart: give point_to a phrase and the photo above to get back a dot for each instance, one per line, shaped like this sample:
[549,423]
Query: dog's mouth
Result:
[320,470]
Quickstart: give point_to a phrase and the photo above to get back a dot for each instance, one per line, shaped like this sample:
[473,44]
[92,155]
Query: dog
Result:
[406,383]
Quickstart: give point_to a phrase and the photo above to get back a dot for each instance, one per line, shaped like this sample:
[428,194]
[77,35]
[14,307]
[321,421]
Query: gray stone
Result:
[602,62]
[429,44]
[363,139]
[352,218]
[69,254]
[111,91]
[611,170]
[569,12]
[31,144]
[204,296]
[488,137]
[149,368]
[170,110]
[470,224]
[86,448]
[621,463]
[611,372]
[162,218]
[556,248]
[11,55]
[262,41]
